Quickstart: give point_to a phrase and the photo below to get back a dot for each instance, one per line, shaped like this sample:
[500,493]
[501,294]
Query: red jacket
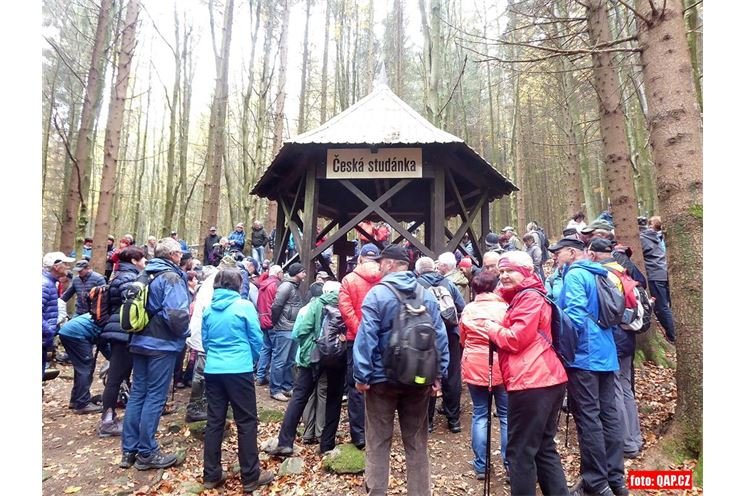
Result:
[526,358]
[354,288]
[267,293]
[475,339]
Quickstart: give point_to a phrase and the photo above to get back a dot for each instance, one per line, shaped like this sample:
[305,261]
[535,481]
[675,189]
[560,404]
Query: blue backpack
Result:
[564,336]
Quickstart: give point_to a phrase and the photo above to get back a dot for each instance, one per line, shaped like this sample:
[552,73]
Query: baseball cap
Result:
[370,250]
[601,245]
[213,228]
[323,275]
[54,258]
[567,242]
[80,265]
[174,232]
[597,224]
[492,239]
[508,228]
[394,252]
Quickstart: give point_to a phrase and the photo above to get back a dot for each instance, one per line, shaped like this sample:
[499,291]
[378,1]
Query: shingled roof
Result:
[379,119]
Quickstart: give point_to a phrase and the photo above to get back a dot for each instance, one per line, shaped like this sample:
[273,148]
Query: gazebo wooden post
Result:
[437,225]
[310,223]
[280,237]
[484,228]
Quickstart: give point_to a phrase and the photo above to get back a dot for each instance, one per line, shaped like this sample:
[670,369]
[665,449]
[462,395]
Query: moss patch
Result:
[270,415]
[698,473]
[346,459]
[696,211]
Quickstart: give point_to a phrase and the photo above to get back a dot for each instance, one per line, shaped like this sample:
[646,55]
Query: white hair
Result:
[447,259]
[166,247]
[275,270]
[423,265]
[520,258]
[331,286]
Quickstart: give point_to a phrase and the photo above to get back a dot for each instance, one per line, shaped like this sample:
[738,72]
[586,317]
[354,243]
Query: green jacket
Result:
[308,325]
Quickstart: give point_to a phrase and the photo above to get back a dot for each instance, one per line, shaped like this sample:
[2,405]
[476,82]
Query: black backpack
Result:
[99,299]
[543,244]
[611,303]
[411,358]
[331,344]
[564,335]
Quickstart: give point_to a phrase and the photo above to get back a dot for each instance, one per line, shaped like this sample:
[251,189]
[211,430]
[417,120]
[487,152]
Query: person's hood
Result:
[331,298]
[222,298]
[650,235]
[269,280]
[612,264]
[159,265]
[128,267]
[458,277]
[403,280]
[433,278]
[593,267]
[369,271]
[530,282]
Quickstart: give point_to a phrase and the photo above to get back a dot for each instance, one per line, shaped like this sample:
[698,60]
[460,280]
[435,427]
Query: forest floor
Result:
[76,461]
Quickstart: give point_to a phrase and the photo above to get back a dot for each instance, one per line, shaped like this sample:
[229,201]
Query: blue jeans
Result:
[151,377]
[480,399]
[281,379]
[257,252]
[265,358]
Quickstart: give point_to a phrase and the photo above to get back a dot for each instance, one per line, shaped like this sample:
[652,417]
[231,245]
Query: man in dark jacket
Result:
[451,387]
[154,351]
[601,251]
[285,308]
[382,397]
[85,280]
[209,243]
[54,266]
[259,239]
[655,261]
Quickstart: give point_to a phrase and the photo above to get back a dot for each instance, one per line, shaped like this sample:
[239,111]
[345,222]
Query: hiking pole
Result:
[487,475]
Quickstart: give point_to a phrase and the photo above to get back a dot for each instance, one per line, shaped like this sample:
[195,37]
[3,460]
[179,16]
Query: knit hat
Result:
[295,269]
[227,262]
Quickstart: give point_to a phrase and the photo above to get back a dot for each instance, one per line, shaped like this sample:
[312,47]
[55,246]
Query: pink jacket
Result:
[475,339]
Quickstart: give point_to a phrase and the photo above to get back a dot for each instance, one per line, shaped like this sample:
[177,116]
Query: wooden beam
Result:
[310,223]
[360,216]
[411,229]
[463,212]
[388,218]
[484,229]
[281,234]
[438,210]
[466,225]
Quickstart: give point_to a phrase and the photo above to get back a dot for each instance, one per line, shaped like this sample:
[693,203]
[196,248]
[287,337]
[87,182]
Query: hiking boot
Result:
[128,459]
[155,460]
[217,483]
[620,491]
[265,477]
[631,456]
[262,382]
[281,451]
[455,427]
[480,476]
[310,441]
[89,408]
[289,393]
[109,426]
[180,385]
[195,415]
[280,397]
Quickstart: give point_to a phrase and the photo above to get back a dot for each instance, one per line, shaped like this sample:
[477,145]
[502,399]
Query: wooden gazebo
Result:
[378,160]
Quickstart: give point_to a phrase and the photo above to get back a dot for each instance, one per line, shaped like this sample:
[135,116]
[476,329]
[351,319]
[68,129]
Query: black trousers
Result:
[178,370]
[81,356]
[355,402]
[237,390]
[592,401]
[452,386]
[532,419]
[305,382]
[120,368]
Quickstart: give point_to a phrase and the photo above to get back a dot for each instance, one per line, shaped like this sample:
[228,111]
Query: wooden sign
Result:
[363,163]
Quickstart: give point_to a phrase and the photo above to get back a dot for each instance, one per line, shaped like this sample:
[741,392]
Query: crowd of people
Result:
[238,322]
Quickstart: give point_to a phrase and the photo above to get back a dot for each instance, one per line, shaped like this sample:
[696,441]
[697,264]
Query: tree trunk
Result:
[249,165]
[279,113]
[81,167]
[618,167]
[325,66]
[432,54]
[113,136]
[695,38]
[187,69]
[675,129]
[140,230]
[172,186]
[304,76]
[216,152]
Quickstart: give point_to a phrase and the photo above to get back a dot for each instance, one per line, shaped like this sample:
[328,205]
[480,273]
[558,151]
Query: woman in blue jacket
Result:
[232,340]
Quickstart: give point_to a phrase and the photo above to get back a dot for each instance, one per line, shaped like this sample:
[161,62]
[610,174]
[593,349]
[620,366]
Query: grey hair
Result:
[165,247]
[447,259]
[275,270]
[424,265]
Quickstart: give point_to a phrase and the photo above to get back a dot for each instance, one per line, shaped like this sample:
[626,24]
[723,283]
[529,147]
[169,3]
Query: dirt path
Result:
[76,461]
